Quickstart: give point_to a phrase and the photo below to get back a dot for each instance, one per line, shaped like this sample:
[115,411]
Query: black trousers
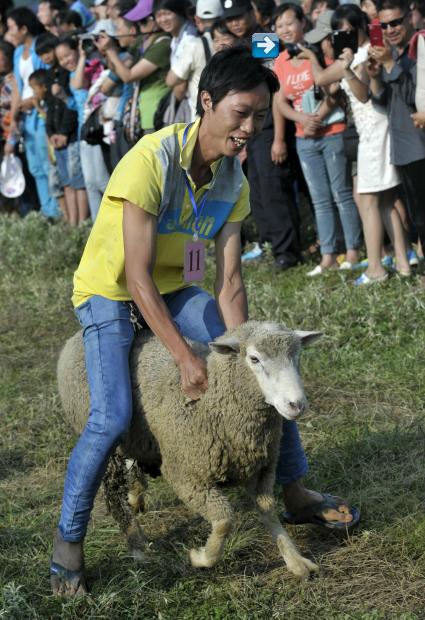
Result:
[272,199]
[413,178]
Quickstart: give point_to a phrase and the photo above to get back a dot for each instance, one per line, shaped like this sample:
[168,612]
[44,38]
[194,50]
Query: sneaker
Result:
[365,280]
[387,261]
[253,253]
[412,257]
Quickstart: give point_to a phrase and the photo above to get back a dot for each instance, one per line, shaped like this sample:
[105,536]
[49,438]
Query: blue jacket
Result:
[32,119]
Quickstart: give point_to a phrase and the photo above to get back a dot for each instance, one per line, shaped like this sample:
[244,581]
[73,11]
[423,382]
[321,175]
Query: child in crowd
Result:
[62,132]
[221,36]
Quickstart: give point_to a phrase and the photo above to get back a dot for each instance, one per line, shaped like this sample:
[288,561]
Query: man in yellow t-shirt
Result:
[177,190]
[174,192]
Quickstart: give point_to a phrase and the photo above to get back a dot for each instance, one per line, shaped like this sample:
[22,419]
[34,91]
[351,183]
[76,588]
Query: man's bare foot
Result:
[297,499]
[67,568]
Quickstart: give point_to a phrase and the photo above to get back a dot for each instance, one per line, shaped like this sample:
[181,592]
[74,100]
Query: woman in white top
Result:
[377,178]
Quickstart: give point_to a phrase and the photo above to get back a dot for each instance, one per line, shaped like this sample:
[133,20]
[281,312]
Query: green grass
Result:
[364,435]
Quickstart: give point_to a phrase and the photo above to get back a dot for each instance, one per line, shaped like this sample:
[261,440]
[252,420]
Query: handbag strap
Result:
[207,50]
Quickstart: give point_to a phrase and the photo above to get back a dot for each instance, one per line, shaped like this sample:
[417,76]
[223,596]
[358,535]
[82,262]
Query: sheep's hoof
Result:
[301,567]
[199,558]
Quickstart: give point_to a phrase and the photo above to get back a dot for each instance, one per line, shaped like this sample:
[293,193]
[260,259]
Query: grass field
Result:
[364,435]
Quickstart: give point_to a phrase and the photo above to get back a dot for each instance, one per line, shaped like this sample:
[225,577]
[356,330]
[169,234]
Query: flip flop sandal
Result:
[75,578]
[309,514]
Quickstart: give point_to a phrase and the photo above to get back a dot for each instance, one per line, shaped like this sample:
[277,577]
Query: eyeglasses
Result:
[394,22]
[145,21]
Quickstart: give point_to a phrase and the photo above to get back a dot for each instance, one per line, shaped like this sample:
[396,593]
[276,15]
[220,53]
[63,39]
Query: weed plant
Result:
[364,436]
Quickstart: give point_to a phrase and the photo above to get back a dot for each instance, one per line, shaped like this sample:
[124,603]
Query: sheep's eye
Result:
[254,359]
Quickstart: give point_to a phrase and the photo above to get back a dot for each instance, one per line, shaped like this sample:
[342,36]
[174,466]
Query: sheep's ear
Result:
[228,346]
[308,338]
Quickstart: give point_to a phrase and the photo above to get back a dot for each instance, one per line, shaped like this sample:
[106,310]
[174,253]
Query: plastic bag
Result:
[12,180]
[420,80]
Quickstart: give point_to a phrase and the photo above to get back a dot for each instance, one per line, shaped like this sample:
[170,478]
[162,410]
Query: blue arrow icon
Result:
[265,45]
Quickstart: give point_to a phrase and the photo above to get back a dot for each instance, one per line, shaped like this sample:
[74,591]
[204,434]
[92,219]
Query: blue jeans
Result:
[108,337]
[35,142]
[325,170]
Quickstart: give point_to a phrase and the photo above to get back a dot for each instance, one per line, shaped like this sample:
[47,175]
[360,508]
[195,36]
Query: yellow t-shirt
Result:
[150,176]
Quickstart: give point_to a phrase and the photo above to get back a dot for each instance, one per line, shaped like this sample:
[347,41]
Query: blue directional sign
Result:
[265,45]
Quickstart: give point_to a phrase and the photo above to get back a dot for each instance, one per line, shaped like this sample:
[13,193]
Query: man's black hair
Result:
[69,18]
[24,17]
[41,76]
[221,27]
[352,14]
[289,6]
[402,5]
[70,40]
[45,43]
[176,6]
[265,7]
[55,5]
[234,70]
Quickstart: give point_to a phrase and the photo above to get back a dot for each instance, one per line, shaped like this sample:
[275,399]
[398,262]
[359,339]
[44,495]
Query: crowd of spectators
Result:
[80,85]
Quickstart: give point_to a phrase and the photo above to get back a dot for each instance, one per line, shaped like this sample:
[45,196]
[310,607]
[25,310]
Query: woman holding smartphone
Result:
[319,144]
[377,178]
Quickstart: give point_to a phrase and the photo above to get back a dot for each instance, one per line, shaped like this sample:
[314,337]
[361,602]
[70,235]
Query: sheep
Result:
[230,435]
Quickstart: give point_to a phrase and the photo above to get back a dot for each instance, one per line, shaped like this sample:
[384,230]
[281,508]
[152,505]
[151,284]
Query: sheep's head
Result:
[271,351]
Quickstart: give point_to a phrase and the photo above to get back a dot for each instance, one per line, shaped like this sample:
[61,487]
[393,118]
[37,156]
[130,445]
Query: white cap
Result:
[99,2]
[104,25]
[209,9]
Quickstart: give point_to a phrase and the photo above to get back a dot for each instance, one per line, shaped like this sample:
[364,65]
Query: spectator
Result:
[23,29]
[320,6]
[99,10]
[377,178]
[319,144]
[80,7]
[193,53]
[5,6]
[62,132]
[417,14]
[369,7]
[393,84]
[221,36]
[151,69]
[47,11]
[240,19]
[72,57]
[263,12]
[68,21]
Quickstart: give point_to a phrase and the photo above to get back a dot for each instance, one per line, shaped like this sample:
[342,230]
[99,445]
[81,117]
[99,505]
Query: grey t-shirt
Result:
[398,95]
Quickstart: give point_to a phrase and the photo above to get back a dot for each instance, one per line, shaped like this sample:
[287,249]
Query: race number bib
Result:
[194,261]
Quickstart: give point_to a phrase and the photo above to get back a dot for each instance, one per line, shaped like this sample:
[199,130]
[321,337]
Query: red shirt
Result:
[295,81]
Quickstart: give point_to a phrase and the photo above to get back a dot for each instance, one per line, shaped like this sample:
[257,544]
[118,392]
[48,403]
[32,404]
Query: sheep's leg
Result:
[124,486]
[261,490]
[214,507]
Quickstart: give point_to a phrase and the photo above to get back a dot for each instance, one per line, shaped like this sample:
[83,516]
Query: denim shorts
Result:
[69,166]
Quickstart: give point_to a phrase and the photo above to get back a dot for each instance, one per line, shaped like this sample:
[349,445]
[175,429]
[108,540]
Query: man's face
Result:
[222,41]
[317,11]
[241,25]
[49,58]
[112,9]
[237,118]
[44,14]
[395,26]
[125,32]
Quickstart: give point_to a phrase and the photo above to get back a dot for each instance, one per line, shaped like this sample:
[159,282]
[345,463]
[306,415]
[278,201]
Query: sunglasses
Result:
[394,22]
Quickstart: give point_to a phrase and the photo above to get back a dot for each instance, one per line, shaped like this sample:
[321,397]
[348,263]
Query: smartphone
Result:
[375,35]
[344,38]
[292,49]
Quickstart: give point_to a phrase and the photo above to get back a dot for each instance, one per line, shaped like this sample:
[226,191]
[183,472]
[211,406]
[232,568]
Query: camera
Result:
[88,40]
[294,49]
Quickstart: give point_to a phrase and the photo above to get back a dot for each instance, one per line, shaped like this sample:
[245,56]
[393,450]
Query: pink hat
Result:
[143,9]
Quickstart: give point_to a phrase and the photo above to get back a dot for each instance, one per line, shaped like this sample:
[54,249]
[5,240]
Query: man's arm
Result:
[229,288]
[140,236]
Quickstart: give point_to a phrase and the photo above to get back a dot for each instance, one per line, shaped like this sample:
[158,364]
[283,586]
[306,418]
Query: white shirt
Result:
[25,69]
[188,63]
